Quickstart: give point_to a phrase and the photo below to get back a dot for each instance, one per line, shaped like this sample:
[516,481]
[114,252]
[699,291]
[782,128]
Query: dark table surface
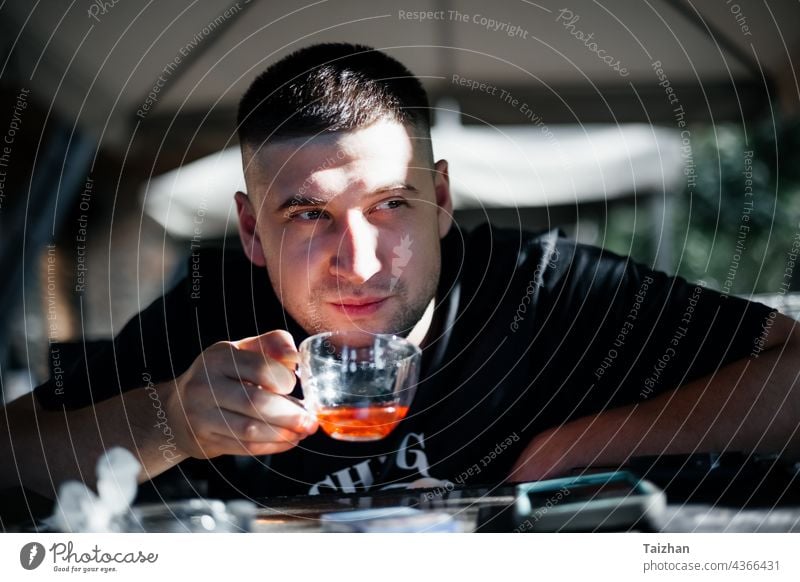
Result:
[705,493]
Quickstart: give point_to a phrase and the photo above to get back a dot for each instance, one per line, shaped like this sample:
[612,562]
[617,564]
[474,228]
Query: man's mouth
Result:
[354,306]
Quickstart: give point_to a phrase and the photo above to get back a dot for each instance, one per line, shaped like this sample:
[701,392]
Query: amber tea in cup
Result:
[359,385]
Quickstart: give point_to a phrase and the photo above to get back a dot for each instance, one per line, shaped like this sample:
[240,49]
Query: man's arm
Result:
[749,405]
[232,400]
[39,449]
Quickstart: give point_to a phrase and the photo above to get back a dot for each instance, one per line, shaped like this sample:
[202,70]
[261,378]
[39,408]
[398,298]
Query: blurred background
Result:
[664,129]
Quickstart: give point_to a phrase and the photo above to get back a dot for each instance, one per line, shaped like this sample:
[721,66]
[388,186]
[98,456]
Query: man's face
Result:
[348,225]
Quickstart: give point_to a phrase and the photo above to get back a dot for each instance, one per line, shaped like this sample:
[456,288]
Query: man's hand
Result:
[546,456]
[234,400]
[750,405]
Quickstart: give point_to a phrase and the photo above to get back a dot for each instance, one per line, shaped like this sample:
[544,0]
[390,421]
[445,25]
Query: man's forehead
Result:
[335,158]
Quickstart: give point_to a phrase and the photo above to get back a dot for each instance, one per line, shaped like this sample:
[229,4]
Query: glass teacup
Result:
[359,385]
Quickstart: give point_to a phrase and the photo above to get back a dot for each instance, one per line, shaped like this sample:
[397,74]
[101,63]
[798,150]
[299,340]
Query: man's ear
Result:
[251,242]
[441,183]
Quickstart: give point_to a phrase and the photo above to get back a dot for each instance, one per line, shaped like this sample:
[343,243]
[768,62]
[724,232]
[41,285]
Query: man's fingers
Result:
[264,406]
[278,345]
[270,360]
[247,429]
[252,367]
[225,445]
[238,391]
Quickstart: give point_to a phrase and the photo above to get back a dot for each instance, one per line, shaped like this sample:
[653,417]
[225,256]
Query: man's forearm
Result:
[749,405]
[40,449]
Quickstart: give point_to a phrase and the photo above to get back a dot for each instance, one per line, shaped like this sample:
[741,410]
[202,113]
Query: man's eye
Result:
[391,204]
[307,215]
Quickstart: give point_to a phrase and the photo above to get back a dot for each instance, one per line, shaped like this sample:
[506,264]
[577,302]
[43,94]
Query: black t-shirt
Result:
[530,331]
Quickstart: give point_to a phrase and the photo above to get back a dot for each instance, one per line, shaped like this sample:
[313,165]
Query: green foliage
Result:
[733,229]
[632,231]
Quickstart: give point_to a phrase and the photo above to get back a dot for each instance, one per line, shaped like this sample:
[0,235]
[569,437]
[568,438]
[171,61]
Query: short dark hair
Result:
[327,88]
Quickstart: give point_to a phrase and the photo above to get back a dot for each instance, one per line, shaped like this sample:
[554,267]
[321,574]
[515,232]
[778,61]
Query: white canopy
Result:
[493,167]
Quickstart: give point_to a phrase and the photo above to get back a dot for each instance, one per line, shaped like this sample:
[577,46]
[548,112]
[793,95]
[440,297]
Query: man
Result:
[539,355]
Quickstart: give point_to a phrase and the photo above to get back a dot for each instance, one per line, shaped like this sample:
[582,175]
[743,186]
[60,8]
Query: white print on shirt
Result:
[410,456]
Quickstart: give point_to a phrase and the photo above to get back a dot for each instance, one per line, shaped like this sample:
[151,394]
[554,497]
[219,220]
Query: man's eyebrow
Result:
[396,186]
[300,201]
[310,201]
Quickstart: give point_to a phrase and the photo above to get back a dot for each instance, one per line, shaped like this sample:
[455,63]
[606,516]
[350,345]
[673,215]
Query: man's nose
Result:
[356,258]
